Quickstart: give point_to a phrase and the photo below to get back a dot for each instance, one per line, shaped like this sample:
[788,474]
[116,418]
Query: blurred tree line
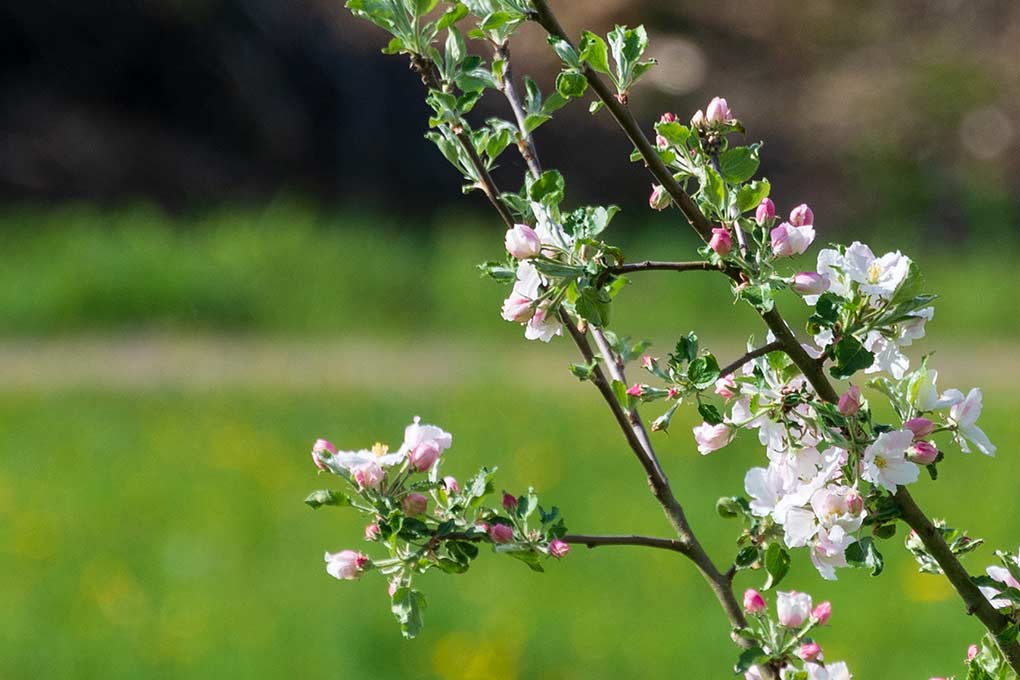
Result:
[895,114]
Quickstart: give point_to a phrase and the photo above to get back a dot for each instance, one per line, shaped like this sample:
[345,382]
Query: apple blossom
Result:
[424,443]
[809,283]
[322,446]
[922,452]
[501,533]
[522,242]
[517,308]
[721,241]
[415,504]
[543,326]
[793,608]
[878,276]
[850,401]
[636,390]
[753,601]
[698,119]
[809,651]
[559,548]
[509,502]
[451,484]
[712,437]
[788,239]
[765,211]
[668,117]
[921,427]
[346,564]
[831,671]
[726,386]
[822,612]
[368,475]
[885,461]
[372,532]
[718,111]
[659,199]
[963,415]
[802,215]
[972,651]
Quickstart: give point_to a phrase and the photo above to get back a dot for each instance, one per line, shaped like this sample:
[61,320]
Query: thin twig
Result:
[650,265]
[773,346]
[647,541]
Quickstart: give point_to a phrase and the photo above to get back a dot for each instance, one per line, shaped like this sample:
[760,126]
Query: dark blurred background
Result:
[223,235]
[900,112]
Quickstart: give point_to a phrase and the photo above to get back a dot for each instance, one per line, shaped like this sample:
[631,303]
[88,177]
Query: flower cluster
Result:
[784,643]
[424,520]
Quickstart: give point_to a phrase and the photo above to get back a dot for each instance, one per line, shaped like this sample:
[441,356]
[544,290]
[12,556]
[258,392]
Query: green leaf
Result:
[547,189]
[748,658]
[593,306]
[730,507]
[533,120]
[494,21]
[751,194]
[686,348]
[739,163]
[423,7]
[710,413]
[594,52]
[850,357]
[407,606]
[864,554]
[747,557]
[394,47]
[620,390]
[322,497]
[455,48]
[674,133]
[777,565]
[713,190]
[759,296]
[565,52]
[910,287]
[451,16]
[826,313]
[703,371]
[571,84]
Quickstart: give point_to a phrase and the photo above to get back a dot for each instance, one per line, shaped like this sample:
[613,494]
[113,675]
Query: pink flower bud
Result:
[801,216]
[718,111]
[423,456]
[648,362]
[392,588]
[659,199]
[368,475]
[667,117]
[522,242]
[518,308]
[451,484]
[972,651]
[322,446]
[501,533]
[753,601]
[415,504]
[509,502]
[712,437]
[766,211]
[346,564]
[372,532]
[698,119]
[661,143]
[793,608]
[721,241]
[788,239]
[854,503]
[726,386]
[558,548]
[822,612]
[809,651]
[921,427]
[809,283]
[636,390]
[850,402]
[673,392]
[923,452]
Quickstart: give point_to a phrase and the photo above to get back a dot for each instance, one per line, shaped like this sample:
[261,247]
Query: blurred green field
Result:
[158,531]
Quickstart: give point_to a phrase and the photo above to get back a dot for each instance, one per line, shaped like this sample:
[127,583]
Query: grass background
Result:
[158,530]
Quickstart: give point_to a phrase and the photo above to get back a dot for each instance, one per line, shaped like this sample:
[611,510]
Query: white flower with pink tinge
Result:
[1003,576]
[885,461]
[877,276]
[423,444]
[346,565]
[964,414]
[831,671]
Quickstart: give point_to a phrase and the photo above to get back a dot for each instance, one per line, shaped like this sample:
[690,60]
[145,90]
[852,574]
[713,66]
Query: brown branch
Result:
[773,346]
[525,144]
[648,541]
[650,265]
[814,371]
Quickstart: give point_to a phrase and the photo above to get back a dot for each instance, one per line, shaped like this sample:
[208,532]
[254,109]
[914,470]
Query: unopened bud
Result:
[501,533]
[415,504]
[822,612]
[850,402]
[558,548]
[809,283]
[659,199]
[509,502]
[923,453]
[921,427]
[721,241]
[766,211]
[753,601]
[809,651]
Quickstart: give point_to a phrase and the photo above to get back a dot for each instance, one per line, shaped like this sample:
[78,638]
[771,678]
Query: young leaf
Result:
[594,52]
[777,564]
[850,357]
[739,163]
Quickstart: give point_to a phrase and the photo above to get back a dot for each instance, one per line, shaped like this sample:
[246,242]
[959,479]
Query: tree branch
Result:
[773,346]
[813,371]
[648,541]
[525,143]
[650,265]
